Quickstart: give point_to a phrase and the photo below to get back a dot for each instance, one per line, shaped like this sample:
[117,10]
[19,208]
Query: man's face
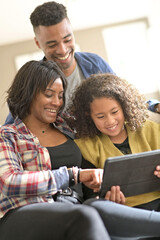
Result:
[58,44]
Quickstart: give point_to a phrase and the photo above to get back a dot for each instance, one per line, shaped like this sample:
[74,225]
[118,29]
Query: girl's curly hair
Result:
[110,86]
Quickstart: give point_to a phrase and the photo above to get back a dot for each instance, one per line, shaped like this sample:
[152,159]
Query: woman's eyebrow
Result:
[49,89]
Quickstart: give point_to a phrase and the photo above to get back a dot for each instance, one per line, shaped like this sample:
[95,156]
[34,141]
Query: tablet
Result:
[132,172]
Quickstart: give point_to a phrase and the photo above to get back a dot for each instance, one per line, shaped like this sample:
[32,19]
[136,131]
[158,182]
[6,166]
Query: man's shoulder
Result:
[88,56]
[9,119]
[91,63]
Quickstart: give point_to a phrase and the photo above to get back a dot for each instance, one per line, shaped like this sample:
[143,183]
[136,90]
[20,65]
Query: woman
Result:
[34,159]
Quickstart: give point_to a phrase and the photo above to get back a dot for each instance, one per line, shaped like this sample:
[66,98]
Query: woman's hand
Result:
[157,171]
[115,195]
[92,178]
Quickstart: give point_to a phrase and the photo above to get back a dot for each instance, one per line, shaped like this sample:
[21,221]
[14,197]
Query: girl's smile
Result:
[108,117]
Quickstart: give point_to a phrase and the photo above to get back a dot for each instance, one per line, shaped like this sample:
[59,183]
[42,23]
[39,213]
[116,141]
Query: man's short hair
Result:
[47,14]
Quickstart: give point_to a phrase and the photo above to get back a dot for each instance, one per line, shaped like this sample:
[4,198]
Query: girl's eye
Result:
[100,117]
[114,112]
[60,97]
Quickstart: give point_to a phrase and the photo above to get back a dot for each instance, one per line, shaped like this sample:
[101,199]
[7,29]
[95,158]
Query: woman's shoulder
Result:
[7,133]
[16,128]
[5,129]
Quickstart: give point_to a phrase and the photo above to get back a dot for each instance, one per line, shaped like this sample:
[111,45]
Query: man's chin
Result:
[65,64]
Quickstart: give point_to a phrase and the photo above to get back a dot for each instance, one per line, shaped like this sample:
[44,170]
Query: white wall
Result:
[15,28]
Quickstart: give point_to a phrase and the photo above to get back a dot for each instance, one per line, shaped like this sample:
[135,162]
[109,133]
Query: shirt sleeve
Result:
[152,103]
[61,177]
[16,181]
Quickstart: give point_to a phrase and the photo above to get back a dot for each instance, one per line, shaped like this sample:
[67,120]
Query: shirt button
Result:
[36,141]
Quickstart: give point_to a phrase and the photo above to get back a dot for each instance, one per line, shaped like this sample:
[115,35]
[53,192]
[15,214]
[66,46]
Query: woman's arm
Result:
[16,181]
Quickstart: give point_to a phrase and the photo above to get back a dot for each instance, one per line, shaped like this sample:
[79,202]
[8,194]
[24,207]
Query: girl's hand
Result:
[115,195]
[157,171]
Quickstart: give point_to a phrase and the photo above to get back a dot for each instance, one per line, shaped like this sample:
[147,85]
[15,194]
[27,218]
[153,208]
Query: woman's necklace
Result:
[44,131]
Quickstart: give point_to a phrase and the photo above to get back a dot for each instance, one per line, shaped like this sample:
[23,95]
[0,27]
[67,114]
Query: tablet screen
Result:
[134,173]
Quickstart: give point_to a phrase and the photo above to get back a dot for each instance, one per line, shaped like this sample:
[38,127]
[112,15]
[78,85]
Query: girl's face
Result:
[46,105]
[108,117]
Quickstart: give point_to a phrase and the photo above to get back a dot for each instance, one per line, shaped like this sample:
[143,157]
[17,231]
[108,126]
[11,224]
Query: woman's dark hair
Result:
[109,86]
[32,78]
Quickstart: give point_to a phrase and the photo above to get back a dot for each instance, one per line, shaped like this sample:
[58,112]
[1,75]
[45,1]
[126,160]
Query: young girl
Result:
[110,119]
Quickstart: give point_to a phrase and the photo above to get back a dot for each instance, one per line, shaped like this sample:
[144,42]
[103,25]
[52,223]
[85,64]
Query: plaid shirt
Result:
[25,168]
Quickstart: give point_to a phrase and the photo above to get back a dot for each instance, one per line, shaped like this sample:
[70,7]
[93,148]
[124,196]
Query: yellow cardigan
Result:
[98,149]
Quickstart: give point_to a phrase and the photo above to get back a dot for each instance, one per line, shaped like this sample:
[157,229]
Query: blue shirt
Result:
[91,63]
[152,103]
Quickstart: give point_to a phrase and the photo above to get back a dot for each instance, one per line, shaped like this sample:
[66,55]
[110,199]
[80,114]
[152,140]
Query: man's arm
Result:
[154,105]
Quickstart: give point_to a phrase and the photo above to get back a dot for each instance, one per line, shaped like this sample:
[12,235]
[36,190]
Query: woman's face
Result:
[108,117]
[46,105]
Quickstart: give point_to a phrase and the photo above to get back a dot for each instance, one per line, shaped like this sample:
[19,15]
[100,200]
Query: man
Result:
[54,36]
